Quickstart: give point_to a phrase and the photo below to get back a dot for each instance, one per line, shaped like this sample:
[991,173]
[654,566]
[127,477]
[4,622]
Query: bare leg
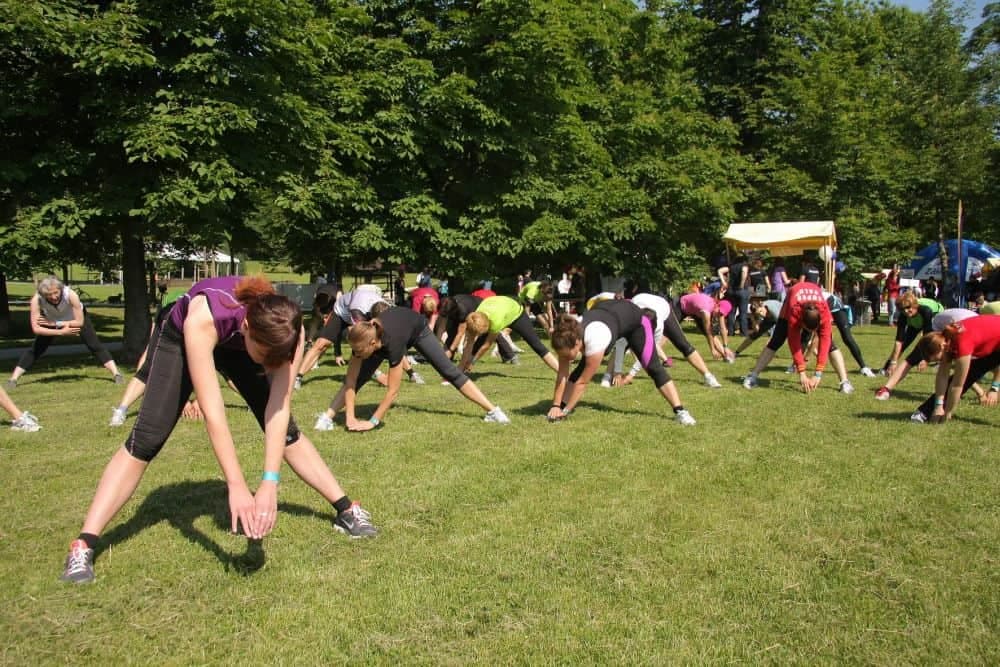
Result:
[112,367]
[309,465]
[9,406]
[837,359]
[765,358]
[669,392]
[898,373]
[118,483]
[133,391]
[472,392]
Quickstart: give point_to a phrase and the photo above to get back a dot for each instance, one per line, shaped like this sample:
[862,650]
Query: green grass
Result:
[784,528]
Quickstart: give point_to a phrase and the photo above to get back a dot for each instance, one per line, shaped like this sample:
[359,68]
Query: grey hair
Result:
[48,283]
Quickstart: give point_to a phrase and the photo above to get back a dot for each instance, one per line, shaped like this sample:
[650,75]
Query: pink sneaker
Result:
[882,394]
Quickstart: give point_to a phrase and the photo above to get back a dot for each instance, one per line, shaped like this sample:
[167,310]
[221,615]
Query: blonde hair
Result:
[363,333]
[476,324]
[428,306]
[907,300]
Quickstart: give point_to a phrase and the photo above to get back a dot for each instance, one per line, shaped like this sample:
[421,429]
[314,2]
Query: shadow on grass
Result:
[181,504]
[541,408]
[904,417]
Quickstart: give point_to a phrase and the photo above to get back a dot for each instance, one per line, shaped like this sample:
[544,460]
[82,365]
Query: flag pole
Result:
[961,261]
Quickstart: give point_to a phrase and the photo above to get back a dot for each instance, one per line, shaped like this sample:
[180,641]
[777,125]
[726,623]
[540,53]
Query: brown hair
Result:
[546,290]
[378,308]
[810,317]
[567,332]
[275,321]
[932,344]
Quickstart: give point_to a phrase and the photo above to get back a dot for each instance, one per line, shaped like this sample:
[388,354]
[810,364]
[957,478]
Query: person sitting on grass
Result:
[22,419]
[56,310]
[591,339]
[804,309]
[388,337]
[256,337]
[966,351]
[484,326]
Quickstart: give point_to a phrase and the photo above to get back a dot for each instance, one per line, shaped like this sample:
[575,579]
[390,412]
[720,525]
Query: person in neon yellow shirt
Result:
[536,297]
[493,315]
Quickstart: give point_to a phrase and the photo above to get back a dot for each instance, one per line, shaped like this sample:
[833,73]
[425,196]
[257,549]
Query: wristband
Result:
[817,374]
[270,476]
[995,386]
[374,420]
[557,405]
[938,402]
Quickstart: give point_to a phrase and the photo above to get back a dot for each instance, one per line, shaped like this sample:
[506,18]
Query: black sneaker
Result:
[79,564]
[355,522]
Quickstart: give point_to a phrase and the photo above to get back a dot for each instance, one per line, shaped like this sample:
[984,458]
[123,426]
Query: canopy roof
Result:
[781,238]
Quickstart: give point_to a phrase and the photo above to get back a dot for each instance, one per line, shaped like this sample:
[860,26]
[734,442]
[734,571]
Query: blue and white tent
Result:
[927,264]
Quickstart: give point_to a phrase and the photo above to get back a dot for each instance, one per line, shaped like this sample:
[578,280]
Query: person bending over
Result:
[387,338]
[256,337]
[591,338]
[491,317]
[914,318]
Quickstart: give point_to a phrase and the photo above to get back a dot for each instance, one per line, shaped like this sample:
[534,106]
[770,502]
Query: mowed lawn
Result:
[783,528]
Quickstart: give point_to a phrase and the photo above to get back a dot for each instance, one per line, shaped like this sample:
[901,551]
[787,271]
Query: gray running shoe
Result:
[749,382]
[323,423]
[416,378]
[846,387]
[514,361]
[298,383]
[918,417]
[119,378]
[684,418]
[712,382]
[355,522]
[867,372]
[496,416]
[79,567]
[118,416]
[26,423]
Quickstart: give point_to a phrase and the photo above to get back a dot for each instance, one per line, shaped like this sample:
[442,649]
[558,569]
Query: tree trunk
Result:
[136,299]
[4,306]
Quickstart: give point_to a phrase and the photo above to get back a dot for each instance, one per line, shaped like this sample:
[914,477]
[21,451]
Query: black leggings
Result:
[430,349]
[169,386]
[780,335]
[764,326]
[840,319]
[643,345]
[977,369]
[908,336]
[672,330]
[87,333]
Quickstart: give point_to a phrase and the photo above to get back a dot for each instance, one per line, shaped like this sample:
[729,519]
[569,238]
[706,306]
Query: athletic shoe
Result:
[684,418]
[513,361]
[606,381]
[412,360]
[749,382]
[790,369]
[711,382]
[496,416]
[11,383]
[298,382]
[27,423]
[79,567]
[882,394]
[118,416]
[867,372]
[416,379]
[846,387]
[119,378]
[323,423]
[883,372]
[918,417]
[495,352]
[355,522]
[730,357]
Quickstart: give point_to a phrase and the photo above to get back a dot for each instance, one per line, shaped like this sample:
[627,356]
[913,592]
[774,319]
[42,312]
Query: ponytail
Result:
[364,332]
[252,287]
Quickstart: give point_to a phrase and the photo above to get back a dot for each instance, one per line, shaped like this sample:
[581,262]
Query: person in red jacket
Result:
[805,310]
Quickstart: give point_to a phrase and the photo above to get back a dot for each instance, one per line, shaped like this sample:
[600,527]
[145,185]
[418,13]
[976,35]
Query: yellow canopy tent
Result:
[786,238]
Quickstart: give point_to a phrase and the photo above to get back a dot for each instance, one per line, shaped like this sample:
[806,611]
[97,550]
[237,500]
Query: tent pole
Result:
[962,269]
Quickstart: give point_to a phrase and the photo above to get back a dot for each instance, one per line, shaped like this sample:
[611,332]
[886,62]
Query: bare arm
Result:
[592,364]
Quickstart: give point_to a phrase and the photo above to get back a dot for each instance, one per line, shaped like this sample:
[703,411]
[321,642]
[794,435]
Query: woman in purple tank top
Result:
[254,337]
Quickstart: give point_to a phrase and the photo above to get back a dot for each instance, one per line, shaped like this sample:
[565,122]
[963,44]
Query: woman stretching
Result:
[387,338]
[255,337]
[708,314]
[914,318]
[591,338]
[967,351]
[56,310]
[491,317]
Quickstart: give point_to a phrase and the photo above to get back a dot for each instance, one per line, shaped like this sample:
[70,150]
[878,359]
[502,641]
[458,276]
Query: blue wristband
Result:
[374,420]
[995,386]
[269,476]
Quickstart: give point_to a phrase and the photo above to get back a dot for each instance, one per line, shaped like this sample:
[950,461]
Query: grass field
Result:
[782,529]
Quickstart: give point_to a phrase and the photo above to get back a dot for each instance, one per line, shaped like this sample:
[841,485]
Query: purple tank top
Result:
[227,312]
[777,282]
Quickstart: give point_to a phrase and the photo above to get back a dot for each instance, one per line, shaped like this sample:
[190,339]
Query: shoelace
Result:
[361,516]
[78,561]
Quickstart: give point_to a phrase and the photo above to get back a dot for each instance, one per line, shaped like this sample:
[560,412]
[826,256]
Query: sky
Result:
[975,16]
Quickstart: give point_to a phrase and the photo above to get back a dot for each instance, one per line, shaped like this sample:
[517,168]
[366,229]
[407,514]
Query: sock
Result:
[89,538]
[342,505]
[678,408]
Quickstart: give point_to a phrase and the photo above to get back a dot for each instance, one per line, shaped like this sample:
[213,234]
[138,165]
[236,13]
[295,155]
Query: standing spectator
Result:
[873,293]
[485,290]
[56,310]
[779,280]
[399,287]
[736,281]
[930,288]
[891,290]
[760,283]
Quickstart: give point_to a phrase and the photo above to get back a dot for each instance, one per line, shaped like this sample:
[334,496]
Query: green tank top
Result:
[501,310]
[917,321]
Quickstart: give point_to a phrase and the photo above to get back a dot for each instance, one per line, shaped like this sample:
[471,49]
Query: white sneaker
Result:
[606,381]
[730,357]
[918,417]
[846,387]
[323,423]
[867,372]
[496,416]
[749,382]
[711,382]
[27,423]
[118,416]
[790,369]
[684,418]
[298,382]
[412,360]
[416,379]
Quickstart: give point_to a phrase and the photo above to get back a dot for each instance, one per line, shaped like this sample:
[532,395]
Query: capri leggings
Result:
[430,349]
[642,342]
[674,333]
[169,386]
[840,319]
[87,333]
[764,326]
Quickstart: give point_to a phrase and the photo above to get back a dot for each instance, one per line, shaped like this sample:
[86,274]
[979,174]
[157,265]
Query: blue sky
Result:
[975,15]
